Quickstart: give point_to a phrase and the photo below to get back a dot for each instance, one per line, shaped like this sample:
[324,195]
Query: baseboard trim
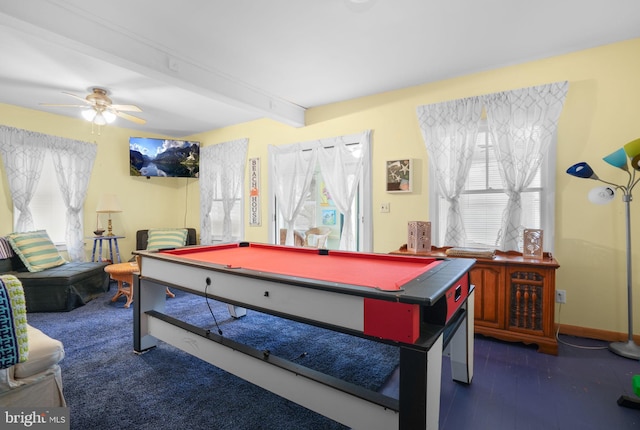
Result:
[593,333]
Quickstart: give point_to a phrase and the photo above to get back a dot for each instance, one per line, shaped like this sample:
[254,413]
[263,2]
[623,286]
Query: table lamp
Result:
[603,195]
[108,204]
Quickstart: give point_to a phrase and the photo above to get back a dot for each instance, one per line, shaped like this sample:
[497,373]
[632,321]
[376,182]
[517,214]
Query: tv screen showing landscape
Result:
[164,157]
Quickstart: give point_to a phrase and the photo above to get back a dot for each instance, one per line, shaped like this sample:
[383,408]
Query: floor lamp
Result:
[631,150]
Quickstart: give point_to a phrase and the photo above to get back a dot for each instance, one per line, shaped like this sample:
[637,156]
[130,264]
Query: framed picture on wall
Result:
[328,217]
[399,176]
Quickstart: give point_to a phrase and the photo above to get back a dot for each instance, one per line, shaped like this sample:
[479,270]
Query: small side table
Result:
[123,273]
[113,242]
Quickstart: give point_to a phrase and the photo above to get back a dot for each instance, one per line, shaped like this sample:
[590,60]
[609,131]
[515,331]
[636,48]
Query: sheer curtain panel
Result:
[449,130]
[522,123]
[207,183]
[292,167]
[22,154]
[73,161]
[341,164]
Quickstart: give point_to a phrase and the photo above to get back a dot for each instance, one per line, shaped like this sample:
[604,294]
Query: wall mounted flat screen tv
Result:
[164,157]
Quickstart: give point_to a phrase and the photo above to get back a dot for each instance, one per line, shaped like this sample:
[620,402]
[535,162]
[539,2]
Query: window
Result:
[217,219]
[483,199]
[47,206]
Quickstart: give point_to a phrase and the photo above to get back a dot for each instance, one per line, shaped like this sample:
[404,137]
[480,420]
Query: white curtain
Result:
[221,179]
[449,130]
[207,182]
[522,124]
[292,171]
[341,166]
[23,156]
[73,161]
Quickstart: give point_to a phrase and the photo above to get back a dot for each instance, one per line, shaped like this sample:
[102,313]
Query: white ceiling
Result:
[198,65]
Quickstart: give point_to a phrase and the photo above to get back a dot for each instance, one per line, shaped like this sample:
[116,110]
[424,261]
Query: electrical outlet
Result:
[385,208]
[561,296]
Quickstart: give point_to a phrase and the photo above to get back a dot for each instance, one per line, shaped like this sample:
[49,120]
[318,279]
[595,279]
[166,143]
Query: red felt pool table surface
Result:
[381,271]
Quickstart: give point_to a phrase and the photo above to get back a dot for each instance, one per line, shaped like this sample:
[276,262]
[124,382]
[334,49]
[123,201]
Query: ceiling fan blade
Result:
[78,98]
[59,105]
[127,108]
[130,117]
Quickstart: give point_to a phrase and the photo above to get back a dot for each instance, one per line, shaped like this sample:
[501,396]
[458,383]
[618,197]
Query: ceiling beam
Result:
[69,27]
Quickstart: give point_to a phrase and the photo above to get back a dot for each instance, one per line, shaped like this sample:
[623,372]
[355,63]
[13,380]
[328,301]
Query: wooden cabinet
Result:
[514,297]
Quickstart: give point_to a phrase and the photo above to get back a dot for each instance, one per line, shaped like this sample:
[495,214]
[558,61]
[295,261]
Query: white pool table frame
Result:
[420,363]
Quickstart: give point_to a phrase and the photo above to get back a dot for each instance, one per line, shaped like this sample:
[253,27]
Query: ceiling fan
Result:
[98,108]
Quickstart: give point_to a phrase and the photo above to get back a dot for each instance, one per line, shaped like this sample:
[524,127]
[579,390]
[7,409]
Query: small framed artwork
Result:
[328,217]
[532,243]
[399,176]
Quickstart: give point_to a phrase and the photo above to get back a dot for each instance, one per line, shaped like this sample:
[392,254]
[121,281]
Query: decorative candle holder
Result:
[419,236]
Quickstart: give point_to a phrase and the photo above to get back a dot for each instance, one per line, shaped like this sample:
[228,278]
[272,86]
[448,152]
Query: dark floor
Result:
[515,387]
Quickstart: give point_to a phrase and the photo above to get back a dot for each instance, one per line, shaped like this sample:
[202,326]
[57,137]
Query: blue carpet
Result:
[107,386]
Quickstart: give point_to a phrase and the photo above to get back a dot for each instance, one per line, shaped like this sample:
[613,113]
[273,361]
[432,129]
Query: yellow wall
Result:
[601,114]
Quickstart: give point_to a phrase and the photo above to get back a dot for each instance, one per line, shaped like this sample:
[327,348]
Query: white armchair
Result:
[37,381]
[317,237]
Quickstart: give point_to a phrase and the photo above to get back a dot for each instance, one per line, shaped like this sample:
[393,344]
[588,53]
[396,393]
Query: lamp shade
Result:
[635,163]
[617,159]
[89,114]
[601,195]
[108,116]
[632,148]
[582,170]
[99,119]
[108,204]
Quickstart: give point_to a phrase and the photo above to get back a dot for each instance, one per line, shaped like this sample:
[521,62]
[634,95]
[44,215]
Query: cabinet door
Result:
[529,293]
[489,295]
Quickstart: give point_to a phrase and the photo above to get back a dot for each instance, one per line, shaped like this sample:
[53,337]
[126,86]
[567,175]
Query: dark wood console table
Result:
[515,297]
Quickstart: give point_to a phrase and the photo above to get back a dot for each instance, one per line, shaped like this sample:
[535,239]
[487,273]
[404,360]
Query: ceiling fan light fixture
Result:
[89,114]
[109,116]
[99,119]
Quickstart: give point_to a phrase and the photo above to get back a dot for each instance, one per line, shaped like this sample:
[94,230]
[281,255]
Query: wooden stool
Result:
[123,273]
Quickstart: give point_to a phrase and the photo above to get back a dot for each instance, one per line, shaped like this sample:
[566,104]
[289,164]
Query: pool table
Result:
[422,305]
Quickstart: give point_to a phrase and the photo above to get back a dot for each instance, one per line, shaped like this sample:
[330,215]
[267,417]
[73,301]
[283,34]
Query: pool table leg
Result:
[149,296]
[236,311]
[420,383]
[460,347]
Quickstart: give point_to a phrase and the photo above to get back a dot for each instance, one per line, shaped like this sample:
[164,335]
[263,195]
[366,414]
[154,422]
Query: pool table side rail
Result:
[426,289]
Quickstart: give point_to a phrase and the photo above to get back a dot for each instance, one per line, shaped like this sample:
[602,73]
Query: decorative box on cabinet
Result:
[515,296]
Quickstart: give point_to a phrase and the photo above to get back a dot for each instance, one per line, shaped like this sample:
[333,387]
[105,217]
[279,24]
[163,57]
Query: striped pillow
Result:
[5,248]
[166,238]
[36,250]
